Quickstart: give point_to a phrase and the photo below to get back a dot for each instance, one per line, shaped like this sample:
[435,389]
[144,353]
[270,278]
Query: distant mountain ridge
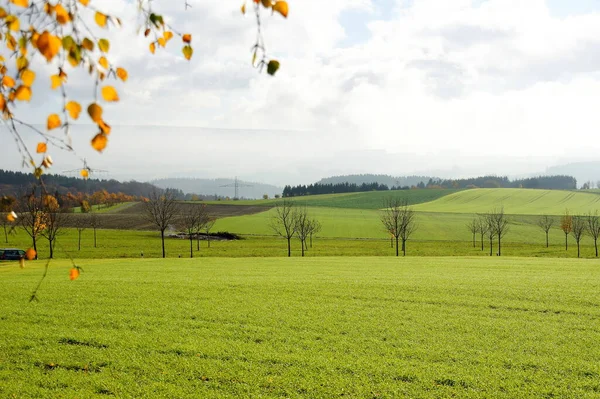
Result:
[582,171]
[219,187]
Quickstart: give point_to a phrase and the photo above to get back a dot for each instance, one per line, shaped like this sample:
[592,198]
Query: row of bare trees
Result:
[398,218]
[575,225]
[291,221]
[491,226]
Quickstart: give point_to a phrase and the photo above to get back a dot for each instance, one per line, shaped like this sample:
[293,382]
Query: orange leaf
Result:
[62,16]
[99,142]
[73,274]
[168,35]
[23,93]
[100,19]
[267,3]
[53,122]
[104,127]
[30,254]
[20,3]
[73,108]
[87,44]
[281,7]
[11,217]
[49,45]
[103,62]
[152,47]
[122,74]
[84,173]
[28,76]
[187,38]
[161,41]
[8,81]
[110,94]
[55,81]
[84,2]
[95,112]
[41,148]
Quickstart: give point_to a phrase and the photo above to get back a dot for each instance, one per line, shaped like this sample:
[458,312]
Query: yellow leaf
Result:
[8,81]
[53,122]
[11,217]
[152,47]
[22,63]
[11,42]
[104,45]
[168,35]
[49,45]
[41,148]
[23,93]
[95,112]
[87,44]
[62,16]
[84,173]
[20,3]
[110,94]
[73,108]
[103,62]
[122,74]
[22,263]
[100,19]
[104,127]
[47,162]
[99,142]
[187,38]
[55,81]
[28,76]
[281,7]
[161,41]
[187,52]
[244,8]
[13,23]
[3,13]
[84,2]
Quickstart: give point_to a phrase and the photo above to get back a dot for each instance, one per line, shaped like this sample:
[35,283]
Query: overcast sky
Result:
[365,86]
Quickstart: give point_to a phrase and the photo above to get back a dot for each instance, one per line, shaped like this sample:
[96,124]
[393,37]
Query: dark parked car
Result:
[11,254]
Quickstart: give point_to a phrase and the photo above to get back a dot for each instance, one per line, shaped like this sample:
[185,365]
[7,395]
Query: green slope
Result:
[515,201]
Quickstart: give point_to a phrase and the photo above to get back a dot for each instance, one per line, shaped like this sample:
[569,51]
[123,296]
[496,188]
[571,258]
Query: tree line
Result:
[331,188]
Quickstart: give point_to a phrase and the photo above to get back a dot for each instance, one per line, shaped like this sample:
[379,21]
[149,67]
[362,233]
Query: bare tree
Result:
[593,226]
[473,227]
[160,210]
[566,225]
[578,230]
[283,222]
[302,227]
[482,228]
[499,224]
[193,220]
[546,222]
[409,226]
[315,227]
[55,219]
[31,216]
[490,231]
[392,218]
[81,222]
[210,223]
[94,222]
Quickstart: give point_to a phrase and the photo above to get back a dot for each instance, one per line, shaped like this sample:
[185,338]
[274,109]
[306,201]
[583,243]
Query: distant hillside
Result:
[14,182]
[390,181]
[247,190]
[582,171]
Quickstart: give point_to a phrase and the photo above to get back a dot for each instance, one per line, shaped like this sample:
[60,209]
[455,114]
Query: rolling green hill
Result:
[515,201]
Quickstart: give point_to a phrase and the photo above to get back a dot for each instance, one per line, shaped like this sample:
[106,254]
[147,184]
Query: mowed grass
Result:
[313,327]
[363,200]
[515,201]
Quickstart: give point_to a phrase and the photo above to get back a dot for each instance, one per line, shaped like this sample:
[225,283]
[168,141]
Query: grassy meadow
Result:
[315,327]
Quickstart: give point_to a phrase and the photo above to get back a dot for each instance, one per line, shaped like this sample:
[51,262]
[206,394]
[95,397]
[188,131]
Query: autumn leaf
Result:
[122,74]
[110,94]
[28,76]
[84,173]
[53,122]
[49,45]
[187,52]
[41,148]
[95,112]
[23,93]
[74,274]
[161,41]
[244,8]
[55,81]
[13,23]
[104,45]
[84,2]
[11,217]
[168,35]
[73,108]
[152,47]
[104,127]
[20,3]
[47,161]
[62,16]
[267,3]
[87,44]
[187,38]
[100,19]
[103,62]
[272,67]
[8,81]
[281,7]
[30,254]
[99,142]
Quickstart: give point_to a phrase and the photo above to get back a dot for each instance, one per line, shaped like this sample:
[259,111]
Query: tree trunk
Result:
[499,246]
[474,243]
[392,242]
[403,247]
[208,240]
[397,246]
[51,249]
[35,247]
[596,246]
[311,240]
[491,246]
[302,242]
[289,247]
[546,239]
[197,241]
[79,240]
[566,241]
[95,246]
[482,241]
[162,237]
[578,248]
[191,246]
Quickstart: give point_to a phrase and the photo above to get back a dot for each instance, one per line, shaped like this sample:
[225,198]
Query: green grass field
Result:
[515,201]
[314,327]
